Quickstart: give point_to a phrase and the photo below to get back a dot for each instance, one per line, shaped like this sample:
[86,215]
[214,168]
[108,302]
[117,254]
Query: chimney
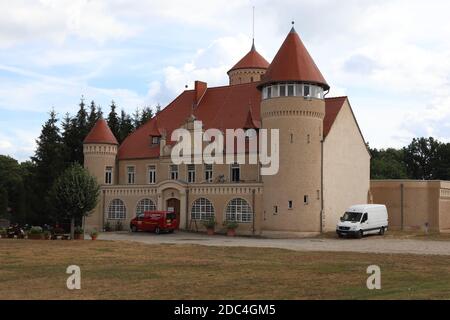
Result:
[200,89]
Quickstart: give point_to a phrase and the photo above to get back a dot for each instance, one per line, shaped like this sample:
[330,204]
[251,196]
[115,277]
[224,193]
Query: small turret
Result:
[100,151]
[249,69]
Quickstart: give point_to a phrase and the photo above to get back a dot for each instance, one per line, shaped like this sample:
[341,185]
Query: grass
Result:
[123,270]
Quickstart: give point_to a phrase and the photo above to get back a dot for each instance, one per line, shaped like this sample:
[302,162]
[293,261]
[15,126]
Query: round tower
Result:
[100,151]
[249,69]
[293,102]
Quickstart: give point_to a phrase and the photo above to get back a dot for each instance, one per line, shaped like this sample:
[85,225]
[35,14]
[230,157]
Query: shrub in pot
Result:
[210,225]
[79,233]
[231,227]
[94,234]
[35,233]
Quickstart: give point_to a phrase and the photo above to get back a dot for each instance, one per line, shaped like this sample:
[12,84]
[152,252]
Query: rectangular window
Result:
[131,174]
[306,91]
[108,175]
[235,172]
[191,173]
[275,91]
[269,92]
[208,172]
[275,209]
[155,140]
[290,90]
[299,90]
[282,90]
[152,174]
[290,205]
[305,199]
[265,93]
[173,172]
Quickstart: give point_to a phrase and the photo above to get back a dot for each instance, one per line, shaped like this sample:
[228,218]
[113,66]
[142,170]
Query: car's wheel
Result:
[360,234]
[382,231]
[340,235]
[157,230]
[133,229]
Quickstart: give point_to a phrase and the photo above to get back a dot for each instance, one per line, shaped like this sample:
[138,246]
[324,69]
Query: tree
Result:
[113,121]
[49,162]
[126,126]
[93,116]
[75,194]
[421,157]
[4,214]
[387,164]
[442,166]
[147,114]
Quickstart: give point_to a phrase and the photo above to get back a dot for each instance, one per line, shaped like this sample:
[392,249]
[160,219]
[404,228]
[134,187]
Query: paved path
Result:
[372,244]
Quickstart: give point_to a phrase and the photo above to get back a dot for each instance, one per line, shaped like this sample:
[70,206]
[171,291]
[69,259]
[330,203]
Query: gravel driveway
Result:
[371,244]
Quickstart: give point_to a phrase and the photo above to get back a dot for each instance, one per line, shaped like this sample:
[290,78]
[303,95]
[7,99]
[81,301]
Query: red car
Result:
[155,221]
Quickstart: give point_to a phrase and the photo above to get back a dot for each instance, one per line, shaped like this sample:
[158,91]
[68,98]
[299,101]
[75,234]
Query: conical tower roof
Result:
[294,63]
[101,133]
[252,60]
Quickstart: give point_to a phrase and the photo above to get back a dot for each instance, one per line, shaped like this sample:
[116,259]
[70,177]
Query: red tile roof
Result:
[252,60]
[332,108]
[101,133]
[228,107]
[294,63]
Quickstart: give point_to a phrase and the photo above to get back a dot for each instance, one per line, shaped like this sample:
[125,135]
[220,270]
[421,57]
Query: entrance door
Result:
[173,205]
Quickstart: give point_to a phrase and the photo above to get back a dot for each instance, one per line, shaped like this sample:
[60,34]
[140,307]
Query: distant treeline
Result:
[24,187]
[422,159]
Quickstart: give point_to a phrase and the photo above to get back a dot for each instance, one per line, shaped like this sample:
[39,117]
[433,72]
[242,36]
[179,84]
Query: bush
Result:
[210,224]
[2,232]
[231,225]
[93,233]
[79,230]
[35,230]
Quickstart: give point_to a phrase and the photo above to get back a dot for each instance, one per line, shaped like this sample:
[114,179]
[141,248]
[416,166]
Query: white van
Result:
[363,219]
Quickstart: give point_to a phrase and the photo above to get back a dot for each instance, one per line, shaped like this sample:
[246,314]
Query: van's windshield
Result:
[352,216]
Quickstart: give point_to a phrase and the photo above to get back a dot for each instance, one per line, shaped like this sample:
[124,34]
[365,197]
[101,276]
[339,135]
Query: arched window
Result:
[145,205]
[202,209]
[239,210]
[117,210]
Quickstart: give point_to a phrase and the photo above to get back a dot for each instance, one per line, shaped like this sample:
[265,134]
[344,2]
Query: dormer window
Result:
[292,90]
[155,140]
[306,91]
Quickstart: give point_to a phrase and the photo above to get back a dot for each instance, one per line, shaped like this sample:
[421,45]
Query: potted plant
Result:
[3,233]
[35,233]
[231,227]
[79,233]
[210,225]
[47,235]
[94,234]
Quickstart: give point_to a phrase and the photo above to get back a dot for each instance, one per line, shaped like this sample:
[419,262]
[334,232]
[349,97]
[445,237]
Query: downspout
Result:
[103,211]
[187,209]
[254,213]
[321,186]
[402,196]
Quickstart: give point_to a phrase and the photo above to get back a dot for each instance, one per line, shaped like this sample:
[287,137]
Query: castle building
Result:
[324,163]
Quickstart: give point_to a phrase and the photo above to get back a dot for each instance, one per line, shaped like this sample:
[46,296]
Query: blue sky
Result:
[391,57]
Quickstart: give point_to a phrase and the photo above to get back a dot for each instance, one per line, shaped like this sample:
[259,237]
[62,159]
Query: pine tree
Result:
[126,126]
[137,118]
[93,116]
[113,121]
[49,162]
[147,114]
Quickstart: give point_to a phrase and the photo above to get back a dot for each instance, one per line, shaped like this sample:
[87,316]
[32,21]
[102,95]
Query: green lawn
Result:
[123,270]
